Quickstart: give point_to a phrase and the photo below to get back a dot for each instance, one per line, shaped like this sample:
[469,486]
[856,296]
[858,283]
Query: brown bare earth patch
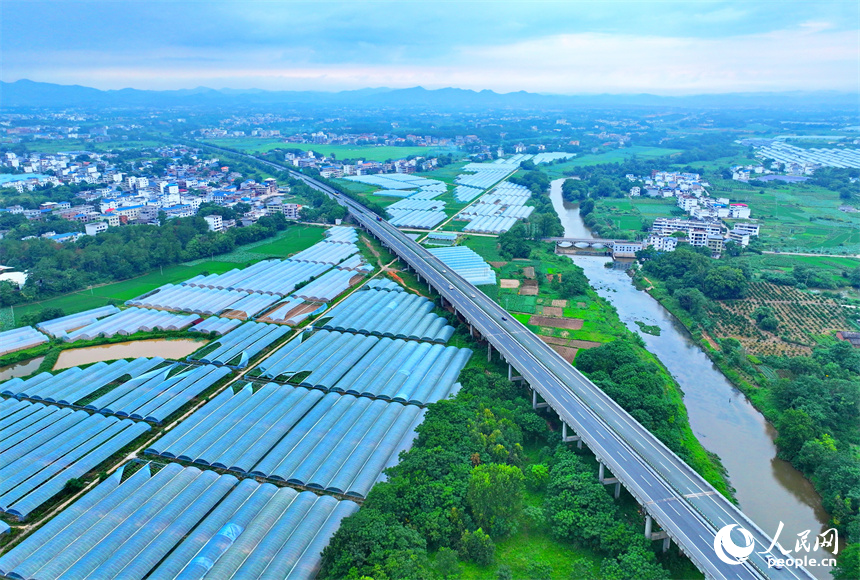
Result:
[553,311]
[584,343]
[555,340]
[569,323]
[237,314]
[580,304]
[566,352]
[508,283]
[295,311]
[560,304]
[529,288]
[498,264]
[529,272]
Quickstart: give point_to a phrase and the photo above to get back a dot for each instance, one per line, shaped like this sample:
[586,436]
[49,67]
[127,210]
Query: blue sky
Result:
[564,46]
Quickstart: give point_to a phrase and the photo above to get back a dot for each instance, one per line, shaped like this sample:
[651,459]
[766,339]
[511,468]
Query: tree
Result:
[581,569]
[769,323]
[795,428]
[537,476]
[539,570]
[447,564]
[848,565]
[854,277]
[366,540]
[513,244]
[477,547]
[691,300]
[586,207]
[495,497]
[724,282]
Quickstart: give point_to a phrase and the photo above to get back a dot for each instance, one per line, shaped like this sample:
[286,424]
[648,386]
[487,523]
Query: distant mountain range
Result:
[26,93]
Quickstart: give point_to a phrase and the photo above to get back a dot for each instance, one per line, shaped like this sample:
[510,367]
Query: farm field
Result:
[563,169]
[446,174]
[121,291]
[629,214]
[804,318]
[836,268]
[293,240]
[798,217]
[718,164]
[370,153]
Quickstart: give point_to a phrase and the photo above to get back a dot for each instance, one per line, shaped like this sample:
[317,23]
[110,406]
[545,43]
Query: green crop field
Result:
[628,222]
[654,208]
[562,169]
[797,217]
[368,153]
[446,174]
[296,239]
[485,247]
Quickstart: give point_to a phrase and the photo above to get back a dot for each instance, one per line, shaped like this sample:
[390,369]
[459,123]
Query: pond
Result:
[172,349]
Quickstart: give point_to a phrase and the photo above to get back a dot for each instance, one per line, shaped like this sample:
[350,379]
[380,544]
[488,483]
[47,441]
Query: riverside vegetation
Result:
[813,399]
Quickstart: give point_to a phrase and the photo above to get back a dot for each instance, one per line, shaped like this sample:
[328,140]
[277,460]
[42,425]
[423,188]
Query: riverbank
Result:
[770,490]
[796,395]
[571,320]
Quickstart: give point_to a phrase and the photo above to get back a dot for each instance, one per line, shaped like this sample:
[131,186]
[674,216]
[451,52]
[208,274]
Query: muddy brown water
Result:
[173,349]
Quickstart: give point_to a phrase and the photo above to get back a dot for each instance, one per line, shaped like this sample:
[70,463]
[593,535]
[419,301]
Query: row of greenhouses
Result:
[182,522]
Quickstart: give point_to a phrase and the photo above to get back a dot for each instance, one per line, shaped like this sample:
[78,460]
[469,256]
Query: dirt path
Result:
[366,242]
[710,340]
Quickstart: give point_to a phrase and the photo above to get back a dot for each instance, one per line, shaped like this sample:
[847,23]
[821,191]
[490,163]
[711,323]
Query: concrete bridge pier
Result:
[653,536]
[565,438]
[609,480]
[489,352]
[535,404]
[512,376]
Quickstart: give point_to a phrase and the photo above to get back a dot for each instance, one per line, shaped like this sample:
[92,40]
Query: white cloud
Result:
[813,56]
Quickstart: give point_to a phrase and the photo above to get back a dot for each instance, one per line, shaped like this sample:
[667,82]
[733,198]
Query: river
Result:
[768,489]
[174,349]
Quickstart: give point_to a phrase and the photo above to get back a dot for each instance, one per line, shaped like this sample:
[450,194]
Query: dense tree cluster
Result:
[118,254]
[803,277]
[48,192]
[461,487]
[686,268]
[573,282]
[819,406]
[581,512]
[838,180]
[637,385]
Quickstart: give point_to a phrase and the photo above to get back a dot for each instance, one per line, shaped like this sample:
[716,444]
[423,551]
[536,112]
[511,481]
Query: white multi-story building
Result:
[739,237]
[739,211]
[663,243]
[746,228]
[216,224]
[95,228]
[668,226]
